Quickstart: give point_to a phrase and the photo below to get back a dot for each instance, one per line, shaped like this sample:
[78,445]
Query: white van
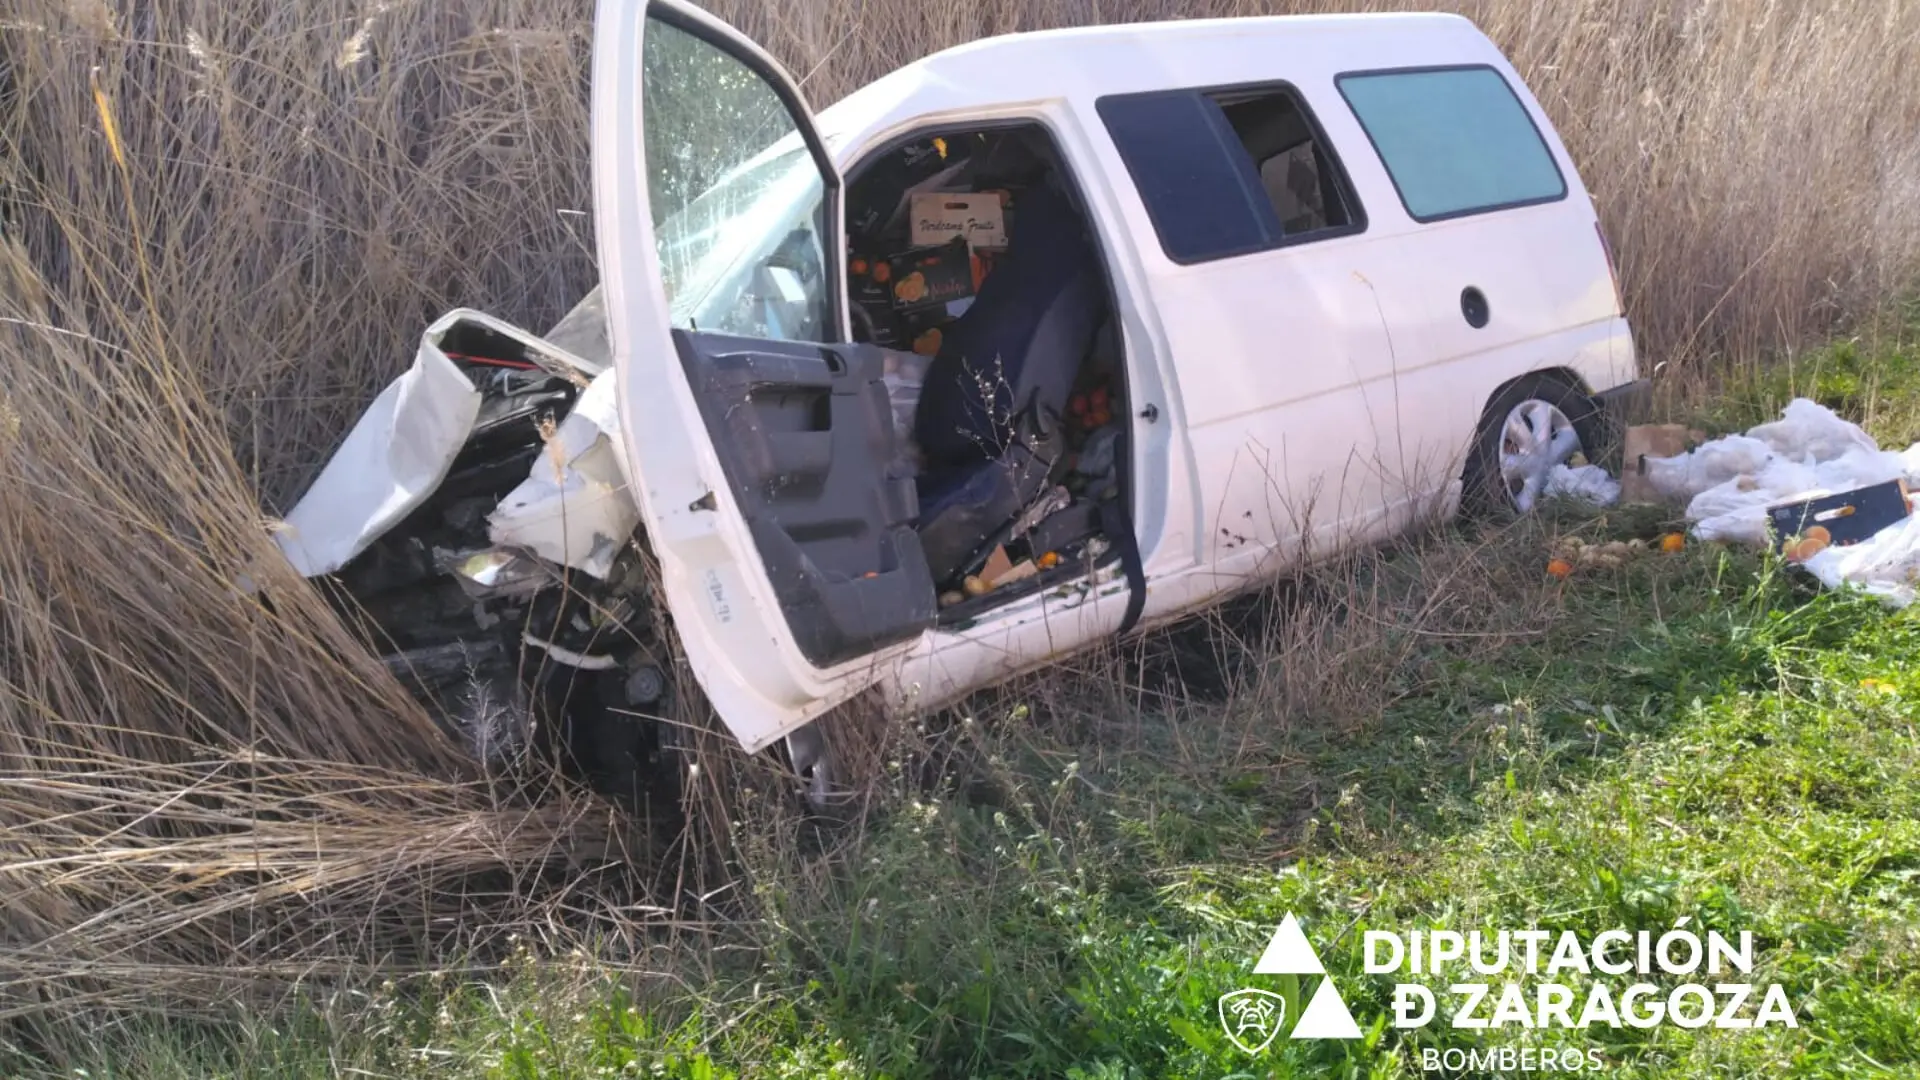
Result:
[1027,344]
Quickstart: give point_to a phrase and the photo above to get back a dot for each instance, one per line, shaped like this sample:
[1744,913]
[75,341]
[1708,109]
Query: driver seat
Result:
[988,420]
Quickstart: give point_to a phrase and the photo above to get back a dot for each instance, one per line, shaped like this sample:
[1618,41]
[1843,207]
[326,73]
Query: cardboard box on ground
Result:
[1644,441]
[1807,527]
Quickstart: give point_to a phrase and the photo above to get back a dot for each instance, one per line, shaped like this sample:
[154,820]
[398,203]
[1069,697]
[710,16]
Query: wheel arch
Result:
[1560,372]
[1567,377]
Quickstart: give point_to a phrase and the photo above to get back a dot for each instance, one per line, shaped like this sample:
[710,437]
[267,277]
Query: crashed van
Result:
[1026,345]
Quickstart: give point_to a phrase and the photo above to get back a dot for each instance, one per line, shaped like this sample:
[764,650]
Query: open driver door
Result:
[758,441]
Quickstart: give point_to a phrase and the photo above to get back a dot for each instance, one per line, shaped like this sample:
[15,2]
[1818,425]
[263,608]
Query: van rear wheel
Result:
[1537,422]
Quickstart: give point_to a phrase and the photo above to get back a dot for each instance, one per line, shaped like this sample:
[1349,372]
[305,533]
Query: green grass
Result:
[1873,378]
[1697,735]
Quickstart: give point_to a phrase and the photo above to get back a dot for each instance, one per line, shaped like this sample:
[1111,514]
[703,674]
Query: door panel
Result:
[1293,421]
[805,436]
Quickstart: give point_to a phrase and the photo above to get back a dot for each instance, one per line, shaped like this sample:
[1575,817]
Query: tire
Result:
[1488,492]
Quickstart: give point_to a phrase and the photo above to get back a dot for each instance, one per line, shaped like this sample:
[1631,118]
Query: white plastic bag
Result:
[1709,465]
[1858,469]
[1807,453]
[1735,510]
[1884,565]
[1588,482]
[1807,431]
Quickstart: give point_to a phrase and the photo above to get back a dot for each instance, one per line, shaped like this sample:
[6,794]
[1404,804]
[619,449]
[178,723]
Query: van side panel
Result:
[1547,307]
[1287,373]
[1543,276]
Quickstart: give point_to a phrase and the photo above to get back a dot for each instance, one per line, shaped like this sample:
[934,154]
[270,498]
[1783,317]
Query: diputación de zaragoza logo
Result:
[1521,980]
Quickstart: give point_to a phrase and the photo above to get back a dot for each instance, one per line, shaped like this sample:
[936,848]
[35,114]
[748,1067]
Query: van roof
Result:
[1180,33]
[1126,57]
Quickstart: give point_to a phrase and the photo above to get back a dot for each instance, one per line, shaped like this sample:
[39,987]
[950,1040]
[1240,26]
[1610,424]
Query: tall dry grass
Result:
[205,781]
[229,222]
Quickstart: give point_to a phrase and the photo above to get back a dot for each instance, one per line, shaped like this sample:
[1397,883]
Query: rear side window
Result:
[1230,172]
[1456,141]
[1297,173]
[1176,150]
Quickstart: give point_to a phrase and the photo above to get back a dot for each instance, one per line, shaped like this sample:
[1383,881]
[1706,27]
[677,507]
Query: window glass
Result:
[1176,150]
[1294,169]
[739,204]
[1455,141]
[1228,173]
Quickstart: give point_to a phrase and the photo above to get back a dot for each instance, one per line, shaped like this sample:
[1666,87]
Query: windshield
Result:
[733,228]
[738,201]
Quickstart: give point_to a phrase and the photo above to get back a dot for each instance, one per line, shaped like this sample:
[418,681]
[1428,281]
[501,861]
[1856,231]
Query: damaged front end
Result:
[478,527]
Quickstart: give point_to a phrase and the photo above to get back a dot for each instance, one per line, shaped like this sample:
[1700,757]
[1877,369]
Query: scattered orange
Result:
[1673,542]
[1806,547]
[1559,568]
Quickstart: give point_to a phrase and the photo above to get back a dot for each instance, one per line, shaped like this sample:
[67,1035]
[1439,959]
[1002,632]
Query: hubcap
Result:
[1537,436]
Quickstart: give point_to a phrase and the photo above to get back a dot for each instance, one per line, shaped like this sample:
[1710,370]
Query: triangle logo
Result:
[1289,953]
[1326,1016]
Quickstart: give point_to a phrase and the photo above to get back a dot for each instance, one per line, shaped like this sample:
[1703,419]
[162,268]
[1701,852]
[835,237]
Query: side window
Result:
[1295,169]
[1230,172]
[1456,141]
[739,203]
[1176,150]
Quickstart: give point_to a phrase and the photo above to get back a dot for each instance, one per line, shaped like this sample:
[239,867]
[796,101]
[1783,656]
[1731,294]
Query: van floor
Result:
[971,256]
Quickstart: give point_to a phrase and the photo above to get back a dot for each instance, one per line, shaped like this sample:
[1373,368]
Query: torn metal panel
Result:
[583,332]
[400,451]
[575,507]
[391,461]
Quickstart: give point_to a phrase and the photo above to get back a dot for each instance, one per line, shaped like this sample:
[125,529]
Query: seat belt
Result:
[1117,524]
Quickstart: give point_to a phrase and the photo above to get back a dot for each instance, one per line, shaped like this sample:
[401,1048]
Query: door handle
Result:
[1473,307]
